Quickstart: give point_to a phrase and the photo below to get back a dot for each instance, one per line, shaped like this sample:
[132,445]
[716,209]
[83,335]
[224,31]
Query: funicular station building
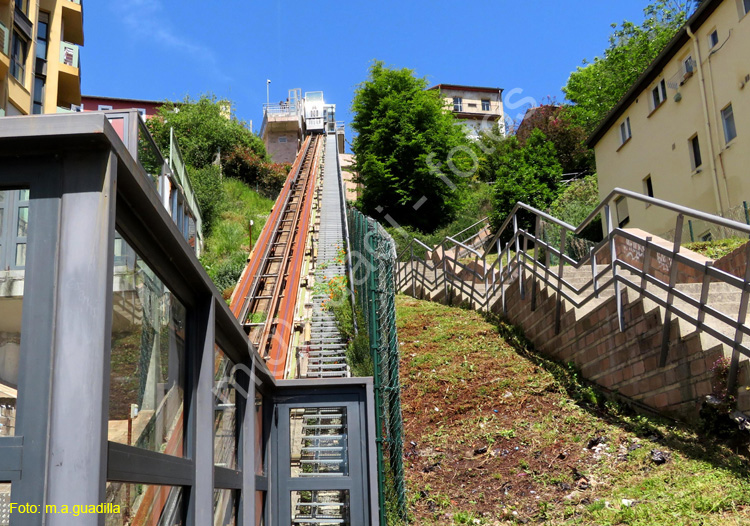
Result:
[125,380]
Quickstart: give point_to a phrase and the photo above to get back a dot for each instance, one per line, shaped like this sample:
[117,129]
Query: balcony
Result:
[69,54]
[72,15]
[4,50]
[69,79]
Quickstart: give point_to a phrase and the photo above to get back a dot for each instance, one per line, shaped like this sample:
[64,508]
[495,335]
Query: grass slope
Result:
[495,435]
[227,246]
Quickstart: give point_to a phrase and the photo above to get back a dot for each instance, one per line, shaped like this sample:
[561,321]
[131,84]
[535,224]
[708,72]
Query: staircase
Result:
[655,334]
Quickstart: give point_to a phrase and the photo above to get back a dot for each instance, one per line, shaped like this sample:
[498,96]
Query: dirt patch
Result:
[492,437]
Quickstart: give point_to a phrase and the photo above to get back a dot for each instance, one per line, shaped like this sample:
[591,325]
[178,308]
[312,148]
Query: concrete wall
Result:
[660,147]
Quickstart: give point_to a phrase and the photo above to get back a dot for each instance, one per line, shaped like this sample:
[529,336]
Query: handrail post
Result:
[646,268]
[594,278]
[560,269]
[413,275]
[670,294]
[502,276]
[704,293]
[518,255]
[739,333]
[537,230]
[613,258]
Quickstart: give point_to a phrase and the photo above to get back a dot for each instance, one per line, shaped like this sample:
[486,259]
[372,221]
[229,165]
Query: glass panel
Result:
[260,445]
[149,156]
[225,418]
[318,441]
[11,305]
[147,376]
[225,507]
[322,508]
[143,504]
[4,503]
[23,220]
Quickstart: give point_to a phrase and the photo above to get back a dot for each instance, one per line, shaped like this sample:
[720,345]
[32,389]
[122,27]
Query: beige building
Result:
[39,56]
[479,108]
[682,132]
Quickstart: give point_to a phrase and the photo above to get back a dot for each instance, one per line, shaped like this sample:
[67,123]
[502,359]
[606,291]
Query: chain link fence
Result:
[373,254]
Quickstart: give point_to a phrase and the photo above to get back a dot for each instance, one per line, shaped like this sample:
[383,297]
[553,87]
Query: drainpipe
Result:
[706,115]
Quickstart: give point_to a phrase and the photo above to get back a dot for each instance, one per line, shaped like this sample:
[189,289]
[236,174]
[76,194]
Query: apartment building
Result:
[479,108]
[682,132]
[147,108]
[39,56]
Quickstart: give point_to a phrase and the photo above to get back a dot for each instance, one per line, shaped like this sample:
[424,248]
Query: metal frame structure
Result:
[84,184]
[484,285]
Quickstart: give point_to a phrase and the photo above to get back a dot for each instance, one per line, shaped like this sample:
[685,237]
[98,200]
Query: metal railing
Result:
[69,54]
[281,109]
[522,254]
[4,40]
[177,166]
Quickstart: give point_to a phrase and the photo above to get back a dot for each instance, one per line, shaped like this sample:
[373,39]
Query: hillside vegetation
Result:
[494,434]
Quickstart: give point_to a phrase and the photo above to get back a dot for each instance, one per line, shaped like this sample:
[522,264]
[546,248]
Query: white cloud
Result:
[149,22]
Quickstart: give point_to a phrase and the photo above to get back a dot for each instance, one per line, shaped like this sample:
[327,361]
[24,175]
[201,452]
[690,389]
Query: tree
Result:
[597,87]
[409,150]
[203,127]
[557,124]
[529,173]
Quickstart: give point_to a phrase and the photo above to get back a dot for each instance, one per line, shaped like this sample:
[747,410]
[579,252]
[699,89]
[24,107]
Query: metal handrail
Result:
[514,260]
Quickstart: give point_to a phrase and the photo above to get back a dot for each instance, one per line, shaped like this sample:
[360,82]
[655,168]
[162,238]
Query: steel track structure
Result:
[265,296]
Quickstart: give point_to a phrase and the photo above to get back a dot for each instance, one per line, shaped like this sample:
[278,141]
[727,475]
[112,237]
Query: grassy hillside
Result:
[496,435]
[227,245]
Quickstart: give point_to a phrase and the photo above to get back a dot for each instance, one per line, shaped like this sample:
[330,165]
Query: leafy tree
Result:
[558,125]
[246,165]
[408,147]
[529,173]
[206,183]
[596,87]
[573,205]
[203,128]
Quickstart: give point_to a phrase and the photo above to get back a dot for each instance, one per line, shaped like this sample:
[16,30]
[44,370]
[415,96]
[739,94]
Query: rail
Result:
[483,284]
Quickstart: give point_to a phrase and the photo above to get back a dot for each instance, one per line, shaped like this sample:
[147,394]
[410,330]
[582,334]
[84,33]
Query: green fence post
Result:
[747,215]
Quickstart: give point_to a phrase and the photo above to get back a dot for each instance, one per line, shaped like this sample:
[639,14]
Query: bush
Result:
[208,192]
[245,164]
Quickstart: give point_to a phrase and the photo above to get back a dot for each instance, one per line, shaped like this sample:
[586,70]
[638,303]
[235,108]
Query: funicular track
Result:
[266,294]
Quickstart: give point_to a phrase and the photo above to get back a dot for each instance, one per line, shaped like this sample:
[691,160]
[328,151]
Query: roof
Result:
[121,99]
[466,88]
[655,69]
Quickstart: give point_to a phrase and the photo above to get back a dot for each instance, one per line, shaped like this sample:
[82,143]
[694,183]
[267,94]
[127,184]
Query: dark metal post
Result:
[670,293]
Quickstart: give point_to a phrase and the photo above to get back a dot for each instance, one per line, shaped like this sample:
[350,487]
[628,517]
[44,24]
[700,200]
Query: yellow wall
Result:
[659,146]
[19,93]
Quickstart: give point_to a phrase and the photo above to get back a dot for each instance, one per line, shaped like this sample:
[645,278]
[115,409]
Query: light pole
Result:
[268,92]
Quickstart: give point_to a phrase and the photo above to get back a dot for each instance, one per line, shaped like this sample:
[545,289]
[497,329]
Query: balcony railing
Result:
[69,54]
[4,40]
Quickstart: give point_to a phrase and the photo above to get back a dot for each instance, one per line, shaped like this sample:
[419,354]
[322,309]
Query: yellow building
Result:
[478,108]
[682,132]
[39,56]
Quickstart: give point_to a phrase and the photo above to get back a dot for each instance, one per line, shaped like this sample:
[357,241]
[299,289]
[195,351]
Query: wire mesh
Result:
[374,271]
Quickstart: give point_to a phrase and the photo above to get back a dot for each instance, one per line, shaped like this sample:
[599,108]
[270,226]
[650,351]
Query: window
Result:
[485,105]
[727,116]
[625,132]
[648,187]
[695,153]
[104,107]
[623,216]
[282,139]
[141,112]
[746,6]
[38,107]
[458,104]
[42,35]
[23,6]
[713,39]
[18,57]
[659,94]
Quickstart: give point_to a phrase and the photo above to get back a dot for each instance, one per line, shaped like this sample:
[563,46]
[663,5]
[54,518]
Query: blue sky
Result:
[166,49]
